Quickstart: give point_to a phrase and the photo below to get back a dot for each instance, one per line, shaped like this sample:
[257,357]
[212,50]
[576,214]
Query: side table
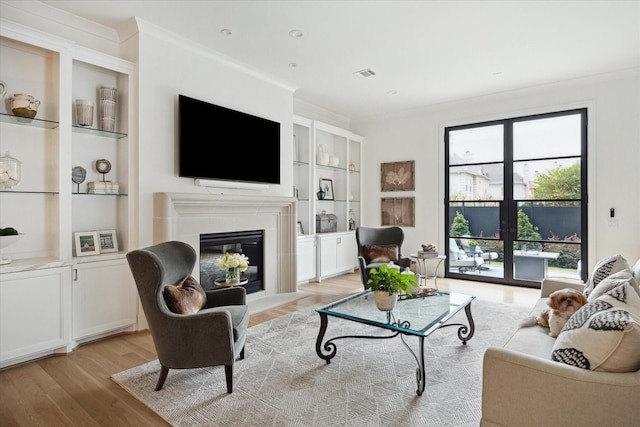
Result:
[423,270]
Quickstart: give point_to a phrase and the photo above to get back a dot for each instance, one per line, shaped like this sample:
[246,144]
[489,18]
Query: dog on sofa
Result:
[562,304]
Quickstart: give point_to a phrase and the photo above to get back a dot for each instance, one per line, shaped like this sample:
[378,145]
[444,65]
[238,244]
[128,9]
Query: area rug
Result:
[283,382]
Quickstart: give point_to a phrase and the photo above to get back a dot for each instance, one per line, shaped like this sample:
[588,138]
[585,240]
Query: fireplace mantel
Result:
[184,216]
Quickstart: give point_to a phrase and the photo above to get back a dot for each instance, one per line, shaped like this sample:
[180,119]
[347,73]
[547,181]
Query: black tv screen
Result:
[219,143]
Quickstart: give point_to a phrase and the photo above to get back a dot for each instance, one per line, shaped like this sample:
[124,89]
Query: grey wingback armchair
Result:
[211,337]
[371,236]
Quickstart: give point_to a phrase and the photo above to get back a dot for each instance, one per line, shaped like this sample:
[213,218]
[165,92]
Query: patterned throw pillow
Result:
[604,269]
[613,281]
[380,253]
[604,335]
[187,297]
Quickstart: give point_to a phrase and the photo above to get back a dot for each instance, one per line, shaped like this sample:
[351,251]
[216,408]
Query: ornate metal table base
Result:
[464,334]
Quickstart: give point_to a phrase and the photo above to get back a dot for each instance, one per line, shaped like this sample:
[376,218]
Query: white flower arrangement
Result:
[228,260]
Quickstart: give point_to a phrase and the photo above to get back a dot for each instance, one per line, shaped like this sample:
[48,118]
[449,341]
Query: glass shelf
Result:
[299,163]
[327,167]
[38,123]
[27,192]
[98,132]
[99,194]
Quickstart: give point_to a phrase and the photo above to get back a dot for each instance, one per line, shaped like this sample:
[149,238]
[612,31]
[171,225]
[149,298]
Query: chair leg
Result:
[228,373]
[242,353]
[163,376]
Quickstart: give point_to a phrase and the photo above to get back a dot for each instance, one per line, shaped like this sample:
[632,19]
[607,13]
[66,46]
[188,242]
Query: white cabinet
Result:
[306,258]
[337,252]
[35,313]
[327,158]
[104,298]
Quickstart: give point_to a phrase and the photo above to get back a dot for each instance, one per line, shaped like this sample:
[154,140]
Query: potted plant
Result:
[472,244]
[386,282]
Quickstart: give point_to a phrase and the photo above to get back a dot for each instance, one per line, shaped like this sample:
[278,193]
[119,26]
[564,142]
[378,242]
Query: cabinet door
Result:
[346,250]
[34,313]
[328,255]
[306,259]
[104,298]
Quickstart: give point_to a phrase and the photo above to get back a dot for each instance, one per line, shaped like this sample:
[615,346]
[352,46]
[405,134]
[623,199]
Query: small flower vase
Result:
[233,275]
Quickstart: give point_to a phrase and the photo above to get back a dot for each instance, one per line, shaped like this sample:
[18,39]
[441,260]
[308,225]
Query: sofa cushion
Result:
[187,297]
[604,335]
[380,253]
[613,281]
[604,269]
[532,340]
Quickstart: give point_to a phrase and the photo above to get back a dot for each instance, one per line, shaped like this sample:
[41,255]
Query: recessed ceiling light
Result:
[296,34]
[392,92]
[293,64]
[225,32]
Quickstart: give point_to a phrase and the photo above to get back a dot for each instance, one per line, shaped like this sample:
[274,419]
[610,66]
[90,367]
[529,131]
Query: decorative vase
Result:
[10,171]
[384,301]
[233,275]
[24,105]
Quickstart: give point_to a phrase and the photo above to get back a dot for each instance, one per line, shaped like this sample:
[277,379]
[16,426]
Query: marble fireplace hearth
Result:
[185,216]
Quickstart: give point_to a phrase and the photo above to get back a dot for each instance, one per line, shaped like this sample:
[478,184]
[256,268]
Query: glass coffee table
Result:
[419,316]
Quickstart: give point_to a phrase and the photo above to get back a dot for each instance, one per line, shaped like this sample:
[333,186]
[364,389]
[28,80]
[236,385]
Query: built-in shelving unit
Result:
[326,155]
[48,208]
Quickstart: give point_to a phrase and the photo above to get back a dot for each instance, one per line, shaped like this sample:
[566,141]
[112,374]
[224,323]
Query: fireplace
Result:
[214,245]
[187,216]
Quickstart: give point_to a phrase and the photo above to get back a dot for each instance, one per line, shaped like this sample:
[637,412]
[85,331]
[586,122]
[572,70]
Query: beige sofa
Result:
[522,386]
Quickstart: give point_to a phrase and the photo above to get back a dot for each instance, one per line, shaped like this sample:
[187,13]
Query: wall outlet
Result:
[613,222]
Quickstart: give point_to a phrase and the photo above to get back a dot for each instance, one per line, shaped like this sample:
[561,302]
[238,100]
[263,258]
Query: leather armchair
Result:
[378,236]
[213,336]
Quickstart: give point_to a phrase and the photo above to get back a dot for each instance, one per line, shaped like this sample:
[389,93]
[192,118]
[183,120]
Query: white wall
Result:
[613,155]
[169,66]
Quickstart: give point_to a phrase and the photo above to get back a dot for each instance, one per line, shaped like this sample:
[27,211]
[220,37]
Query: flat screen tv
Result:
[218,143]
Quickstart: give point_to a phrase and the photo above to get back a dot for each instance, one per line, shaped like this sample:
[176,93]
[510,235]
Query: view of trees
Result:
[562,182]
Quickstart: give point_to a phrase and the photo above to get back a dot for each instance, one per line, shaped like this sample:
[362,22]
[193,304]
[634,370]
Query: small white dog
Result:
[562,305]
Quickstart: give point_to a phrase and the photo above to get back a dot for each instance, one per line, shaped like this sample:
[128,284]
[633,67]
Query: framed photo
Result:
[398,211]
[108,241]
[326,185]
[398,176]
[299,228]
[87,243]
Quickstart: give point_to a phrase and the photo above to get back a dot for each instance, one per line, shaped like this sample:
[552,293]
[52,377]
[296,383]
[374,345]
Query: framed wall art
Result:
[398,176]
[326,185]
[108,241]
[398,211]
[87,243]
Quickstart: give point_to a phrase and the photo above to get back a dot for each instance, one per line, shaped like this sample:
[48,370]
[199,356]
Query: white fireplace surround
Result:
[185,216]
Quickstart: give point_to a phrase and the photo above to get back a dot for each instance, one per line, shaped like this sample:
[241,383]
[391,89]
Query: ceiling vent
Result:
[367,72]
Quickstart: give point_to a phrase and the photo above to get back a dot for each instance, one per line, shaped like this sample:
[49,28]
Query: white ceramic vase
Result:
[384,301]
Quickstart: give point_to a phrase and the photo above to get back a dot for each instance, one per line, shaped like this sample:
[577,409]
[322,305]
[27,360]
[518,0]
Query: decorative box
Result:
[326,223]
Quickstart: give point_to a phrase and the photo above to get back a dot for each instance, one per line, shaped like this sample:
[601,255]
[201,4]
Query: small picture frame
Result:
[299,228]
[326,185]
[108,241]
[87,243]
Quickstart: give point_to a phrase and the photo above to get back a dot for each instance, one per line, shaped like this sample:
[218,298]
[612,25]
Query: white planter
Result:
[384,301]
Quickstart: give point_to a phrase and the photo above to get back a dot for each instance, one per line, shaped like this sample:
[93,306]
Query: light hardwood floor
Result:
[76,389]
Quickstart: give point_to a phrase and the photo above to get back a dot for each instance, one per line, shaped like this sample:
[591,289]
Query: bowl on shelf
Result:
[8,240]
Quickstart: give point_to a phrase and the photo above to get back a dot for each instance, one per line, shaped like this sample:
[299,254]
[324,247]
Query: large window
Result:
[516,205]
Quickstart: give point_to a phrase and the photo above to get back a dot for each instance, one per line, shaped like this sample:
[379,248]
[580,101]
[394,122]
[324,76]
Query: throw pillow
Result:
[380,253]
[613,281]
[187,297]
[635,270]
[604,335]
[604,269]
